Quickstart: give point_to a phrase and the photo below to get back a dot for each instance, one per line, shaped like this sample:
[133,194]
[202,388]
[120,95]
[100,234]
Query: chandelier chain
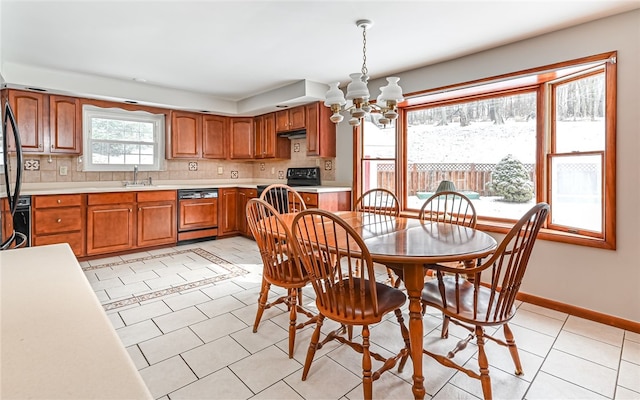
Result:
[365,71]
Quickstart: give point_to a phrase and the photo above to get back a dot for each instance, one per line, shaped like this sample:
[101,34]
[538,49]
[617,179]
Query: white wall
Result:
[605,281]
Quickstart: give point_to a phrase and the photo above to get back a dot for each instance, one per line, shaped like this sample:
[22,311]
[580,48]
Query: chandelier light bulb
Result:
[336,118]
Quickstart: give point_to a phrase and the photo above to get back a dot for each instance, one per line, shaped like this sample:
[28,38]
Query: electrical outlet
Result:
[273,170]
[63,170]
[220,170]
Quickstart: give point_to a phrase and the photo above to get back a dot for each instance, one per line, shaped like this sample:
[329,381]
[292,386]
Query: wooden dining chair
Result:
[283,198]
[330,249]
[484,296]
[384,202]
[449,207]
[281,265]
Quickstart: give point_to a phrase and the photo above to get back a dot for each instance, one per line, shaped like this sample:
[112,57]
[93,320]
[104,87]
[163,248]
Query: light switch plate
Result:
[63,170]
[220,170]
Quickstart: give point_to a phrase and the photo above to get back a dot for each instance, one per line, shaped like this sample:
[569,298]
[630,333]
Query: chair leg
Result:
[292,320]
[483,363]
[262,301]
[513,349]
[445,327]
[405,335]
[367,380]
[313,344]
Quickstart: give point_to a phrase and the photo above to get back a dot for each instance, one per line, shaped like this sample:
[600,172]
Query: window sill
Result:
[545,234]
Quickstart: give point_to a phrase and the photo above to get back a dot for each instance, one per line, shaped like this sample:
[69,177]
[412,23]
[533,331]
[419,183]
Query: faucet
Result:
[135,174]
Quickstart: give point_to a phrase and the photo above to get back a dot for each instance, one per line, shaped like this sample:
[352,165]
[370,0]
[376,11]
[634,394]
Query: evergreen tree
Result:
[510,180]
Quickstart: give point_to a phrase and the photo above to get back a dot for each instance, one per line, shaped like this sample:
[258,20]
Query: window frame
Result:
[541,80]
[158,120]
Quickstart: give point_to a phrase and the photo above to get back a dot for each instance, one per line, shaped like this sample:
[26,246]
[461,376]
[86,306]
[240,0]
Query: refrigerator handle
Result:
[13,200]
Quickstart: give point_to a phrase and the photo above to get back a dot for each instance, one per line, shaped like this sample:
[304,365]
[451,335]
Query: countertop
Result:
[57,341]
[100,187]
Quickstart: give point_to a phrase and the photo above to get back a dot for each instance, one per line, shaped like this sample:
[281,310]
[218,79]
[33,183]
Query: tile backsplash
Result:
[201,169]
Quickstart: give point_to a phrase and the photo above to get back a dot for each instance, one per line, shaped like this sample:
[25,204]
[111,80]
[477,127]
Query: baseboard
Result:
[581,312]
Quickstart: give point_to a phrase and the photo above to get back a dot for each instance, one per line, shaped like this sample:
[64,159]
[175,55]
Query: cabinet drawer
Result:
[62,200]
[111,198]
[57,220]
[74,239]
[310,199]
[164,195]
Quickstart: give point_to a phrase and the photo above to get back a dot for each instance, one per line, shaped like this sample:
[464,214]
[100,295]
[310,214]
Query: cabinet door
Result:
[228,211]
[28,109]
[243,197]
[110,228]
[321,132]
[259,137]
[186,134]
[282,121]
[156,223]
[297,118]
[65,125]
[215,130]
[241,137]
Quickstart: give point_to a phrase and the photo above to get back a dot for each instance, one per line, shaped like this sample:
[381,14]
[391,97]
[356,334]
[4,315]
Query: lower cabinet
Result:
[112,224]
[156,218]
[59,219]
[243,197]
[330,201]
[227,211]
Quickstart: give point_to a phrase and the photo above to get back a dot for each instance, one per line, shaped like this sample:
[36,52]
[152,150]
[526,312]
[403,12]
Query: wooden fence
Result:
[426,177]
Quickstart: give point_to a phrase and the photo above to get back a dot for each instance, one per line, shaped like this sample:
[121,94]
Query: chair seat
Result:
[389,299]
[465,300]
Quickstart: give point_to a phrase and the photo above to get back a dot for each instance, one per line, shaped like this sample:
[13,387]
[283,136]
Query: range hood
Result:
[294,134]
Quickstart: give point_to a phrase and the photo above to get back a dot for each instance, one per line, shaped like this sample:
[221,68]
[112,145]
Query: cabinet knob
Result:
[59,201]
[40,146]
[129,210]
[59,220]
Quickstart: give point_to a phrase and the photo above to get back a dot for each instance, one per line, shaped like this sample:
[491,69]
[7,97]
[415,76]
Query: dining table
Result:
[406,244]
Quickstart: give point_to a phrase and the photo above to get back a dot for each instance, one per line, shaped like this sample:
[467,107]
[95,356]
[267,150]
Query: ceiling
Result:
[235,50]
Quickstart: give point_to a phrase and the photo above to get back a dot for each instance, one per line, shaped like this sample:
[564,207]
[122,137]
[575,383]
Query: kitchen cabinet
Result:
[330,201]
[321,132]
[291,119]
[112,226]
[59,219]
[48,124]
[186,135]
[65,125]
[196,135]
[244,194]
[227,211]
[110,222]
[215,130]
[267,143]
[156,219]
[241,138]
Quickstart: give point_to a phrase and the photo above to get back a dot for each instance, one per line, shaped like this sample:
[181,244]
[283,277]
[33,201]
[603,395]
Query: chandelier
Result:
[358,92]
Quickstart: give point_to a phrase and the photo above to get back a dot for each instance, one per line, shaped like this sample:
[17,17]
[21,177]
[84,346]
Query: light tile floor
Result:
[187,324]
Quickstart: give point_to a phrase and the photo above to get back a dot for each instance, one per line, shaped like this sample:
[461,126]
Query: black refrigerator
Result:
[12,179]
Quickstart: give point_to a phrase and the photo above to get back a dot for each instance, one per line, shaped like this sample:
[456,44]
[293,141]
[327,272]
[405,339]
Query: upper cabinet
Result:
[241,138]
[186,135]
[215,130]
[196,135]
[65,124]
[267,143]
[291,119]
[47,123]
[321,132]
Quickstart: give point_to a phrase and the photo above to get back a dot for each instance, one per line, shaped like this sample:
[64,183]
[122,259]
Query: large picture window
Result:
[116,139]
[547,134]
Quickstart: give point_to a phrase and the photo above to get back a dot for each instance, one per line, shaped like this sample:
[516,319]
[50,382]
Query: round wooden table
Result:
[406,244]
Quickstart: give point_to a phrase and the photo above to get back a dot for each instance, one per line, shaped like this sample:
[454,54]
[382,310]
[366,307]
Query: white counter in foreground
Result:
[57,341]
